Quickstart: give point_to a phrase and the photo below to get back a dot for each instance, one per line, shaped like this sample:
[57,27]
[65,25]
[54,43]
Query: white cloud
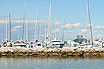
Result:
[15,28]
[56,30]
[99,36]
[76,25]
[68,25]
[72,25]
[58,23]
[21,21]
[84,30]
[99,27]
[68,31]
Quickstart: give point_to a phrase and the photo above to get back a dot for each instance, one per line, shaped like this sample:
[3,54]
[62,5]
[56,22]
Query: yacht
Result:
[36,44]
[19,44]
[55,44]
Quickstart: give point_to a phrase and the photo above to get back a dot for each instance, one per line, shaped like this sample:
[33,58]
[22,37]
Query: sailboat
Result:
[23,42]
[88,44]
[8,42]
[36,43]
[55,43]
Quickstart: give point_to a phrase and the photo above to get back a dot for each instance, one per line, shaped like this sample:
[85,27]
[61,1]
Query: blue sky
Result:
[74,11]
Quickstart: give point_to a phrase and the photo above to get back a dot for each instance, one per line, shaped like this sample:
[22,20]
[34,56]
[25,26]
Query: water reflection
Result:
[53,62]
[51,57]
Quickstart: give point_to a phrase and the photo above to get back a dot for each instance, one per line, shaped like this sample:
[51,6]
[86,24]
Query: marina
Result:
[50,46]
[51,34]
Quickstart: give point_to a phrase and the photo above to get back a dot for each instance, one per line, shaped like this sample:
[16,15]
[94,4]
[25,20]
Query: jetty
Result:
[19,51]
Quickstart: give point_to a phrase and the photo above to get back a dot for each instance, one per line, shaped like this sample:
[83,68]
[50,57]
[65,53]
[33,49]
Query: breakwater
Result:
[14,51]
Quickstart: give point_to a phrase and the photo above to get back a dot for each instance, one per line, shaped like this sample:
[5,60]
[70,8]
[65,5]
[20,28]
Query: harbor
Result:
[51,34]
[46,43]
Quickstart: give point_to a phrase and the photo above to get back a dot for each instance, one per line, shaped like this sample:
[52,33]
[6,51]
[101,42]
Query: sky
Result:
[74,12]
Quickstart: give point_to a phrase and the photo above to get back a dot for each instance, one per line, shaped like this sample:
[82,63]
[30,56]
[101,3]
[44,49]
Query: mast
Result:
[91,32]
[40,35]
[63,30]
[45,29]
[6,30]
[23,37]
[36,25]
[18,34]
[48,36]
[54,29]
[9,30]
[25,21]
[87,33]
[27,30]
[28,33]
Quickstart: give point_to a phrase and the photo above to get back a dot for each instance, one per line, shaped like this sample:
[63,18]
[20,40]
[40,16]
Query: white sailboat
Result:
[36,43]
[55,43]
[8,42]
[88,44]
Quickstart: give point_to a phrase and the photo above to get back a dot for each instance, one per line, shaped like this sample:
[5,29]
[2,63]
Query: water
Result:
[51,63]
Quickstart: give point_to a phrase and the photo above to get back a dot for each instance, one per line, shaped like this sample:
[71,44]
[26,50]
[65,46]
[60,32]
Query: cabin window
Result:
[39,44]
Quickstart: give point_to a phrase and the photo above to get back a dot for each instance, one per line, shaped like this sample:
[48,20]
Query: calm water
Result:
[51,63]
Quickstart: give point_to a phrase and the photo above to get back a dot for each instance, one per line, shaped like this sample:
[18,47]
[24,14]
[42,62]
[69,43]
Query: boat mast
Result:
[90,23]
[40,34]
[63,30]
[23,37]
[54,29]
[45,29]
[93,31]
[9,30]
[6,29]
[25,22]
[87,32]
[48,36]
[27,30]
[36,25]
